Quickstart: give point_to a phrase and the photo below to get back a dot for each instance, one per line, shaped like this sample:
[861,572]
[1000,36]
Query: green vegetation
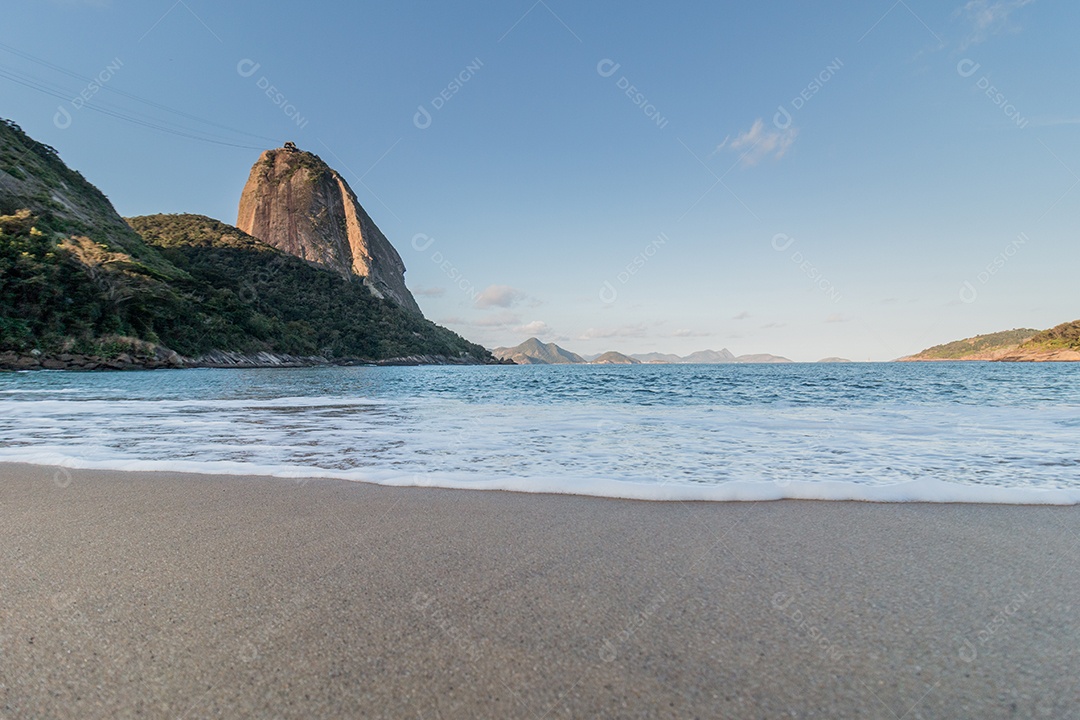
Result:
[1063,337]
[977,345]
[34,178]
[74,277]
[64,293]
[282,304]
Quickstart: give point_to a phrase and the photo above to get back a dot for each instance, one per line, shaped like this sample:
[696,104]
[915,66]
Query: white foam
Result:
[927,490]
[434,434]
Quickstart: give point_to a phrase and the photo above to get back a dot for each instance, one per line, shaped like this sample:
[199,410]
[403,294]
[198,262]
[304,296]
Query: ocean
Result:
[932,432]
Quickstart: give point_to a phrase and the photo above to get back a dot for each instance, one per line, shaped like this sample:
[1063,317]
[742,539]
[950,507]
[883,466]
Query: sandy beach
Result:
[183,596]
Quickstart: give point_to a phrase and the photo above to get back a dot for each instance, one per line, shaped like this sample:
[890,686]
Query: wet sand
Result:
[184,596]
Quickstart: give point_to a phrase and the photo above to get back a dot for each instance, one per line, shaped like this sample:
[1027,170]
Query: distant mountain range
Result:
[1060,343]
[535,352]
[615,358]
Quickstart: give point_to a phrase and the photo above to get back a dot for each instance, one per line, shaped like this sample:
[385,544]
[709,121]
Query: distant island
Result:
[535,352]
[1058,344]
[313,281]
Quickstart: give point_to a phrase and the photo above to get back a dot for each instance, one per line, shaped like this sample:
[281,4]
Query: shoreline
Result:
[922,491]
[926,491]
[24,362]
[173,594]
[16,362]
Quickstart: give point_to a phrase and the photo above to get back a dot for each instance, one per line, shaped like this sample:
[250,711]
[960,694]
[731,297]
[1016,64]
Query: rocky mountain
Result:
[834,360]
[35,181]
[710,357]
[79,287]
[1058,344]
[656,357]
[615,358]
[993,346]
[296,202]
[534,352]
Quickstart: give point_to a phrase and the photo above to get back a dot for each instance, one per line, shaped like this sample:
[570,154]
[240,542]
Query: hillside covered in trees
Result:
[80,287]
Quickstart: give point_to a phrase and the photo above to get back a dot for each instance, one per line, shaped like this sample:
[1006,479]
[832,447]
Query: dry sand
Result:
[162,595]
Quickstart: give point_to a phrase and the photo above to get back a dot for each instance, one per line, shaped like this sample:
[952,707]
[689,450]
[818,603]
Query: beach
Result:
[188,596]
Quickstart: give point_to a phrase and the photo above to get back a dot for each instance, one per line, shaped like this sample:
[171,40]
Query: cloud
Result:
[837,318]
[690,334]
[987,18]
[773,325]
[502,296]
[500,319]
[741,316]
[430,292]
[758,143]
[536,327]
[630,331]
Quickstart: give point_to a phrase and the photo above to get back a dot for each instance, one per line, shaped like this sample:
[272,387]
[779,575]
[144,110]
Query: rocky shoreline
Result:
[163,359]
[1007,355]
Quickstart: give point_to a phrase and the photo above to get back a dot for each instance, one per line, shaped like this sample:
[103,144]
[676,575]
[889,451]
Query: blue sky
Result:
[861,179]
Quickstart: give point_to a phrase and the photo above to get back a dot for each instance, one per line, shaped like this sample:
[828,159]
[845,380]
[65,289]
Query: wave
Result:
[928,490]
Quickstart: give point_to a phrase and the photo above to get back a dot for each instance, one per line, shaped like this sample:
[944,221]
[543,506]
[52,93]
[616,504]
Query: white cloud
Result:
[742,316]
[631,331]
[500,319]
[502,296]
[837,318]
[430,292]
[988,17]
[685,333]
[536,327]
[759,143]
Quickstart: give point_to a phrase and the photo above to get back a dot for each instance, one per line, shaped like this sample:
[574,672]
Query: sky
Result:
[855,179]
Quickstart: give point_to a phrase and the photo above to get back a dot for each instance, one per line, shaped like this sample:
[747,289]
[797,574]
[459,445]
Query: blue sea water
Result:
[938,432]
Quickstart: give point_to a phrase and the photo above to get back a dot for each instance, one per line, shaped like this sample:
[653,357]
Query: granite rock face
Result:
[297,203]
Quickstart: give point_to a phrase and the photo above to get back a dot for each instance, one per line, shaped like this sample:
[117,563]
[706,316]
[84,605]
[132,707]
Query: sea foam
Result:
[877,433]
